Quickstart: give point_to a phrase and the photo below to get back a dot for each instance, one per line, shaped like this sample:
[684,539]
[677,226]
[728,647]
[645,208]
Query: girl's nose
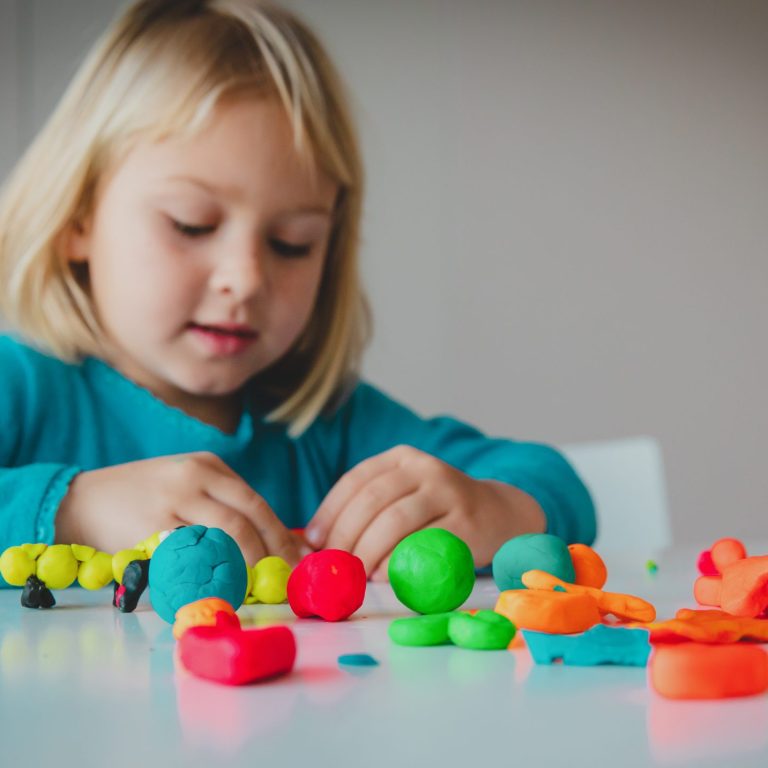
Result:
[240,273]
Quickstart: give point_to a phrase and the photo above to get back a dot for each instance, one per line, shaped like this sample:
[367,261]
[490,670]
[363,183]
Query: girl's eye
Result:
[290,250]
[192,230]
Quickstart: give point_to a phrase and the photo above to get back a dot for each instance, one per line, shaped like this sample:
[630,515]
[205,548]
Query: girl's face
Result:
[205,254]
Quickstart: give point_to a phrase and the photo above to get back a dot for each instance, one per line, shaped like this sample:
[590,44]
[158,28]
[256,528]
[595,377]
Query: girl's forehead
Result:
[245,149]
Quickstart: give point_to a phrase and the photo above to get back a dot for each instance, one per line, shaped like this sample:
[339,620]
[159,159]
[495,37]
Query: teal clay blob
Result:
[421,630]
[432,571]
[532,552]
[485,631]
[196,562]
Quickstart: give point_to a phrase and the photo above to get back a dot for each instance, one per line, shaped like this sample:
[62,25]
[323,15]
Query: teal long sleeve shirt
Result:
[58,419]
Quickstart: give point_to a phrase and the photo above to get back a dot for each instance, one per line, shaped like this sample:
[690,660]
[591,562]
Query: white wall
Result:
[566,226]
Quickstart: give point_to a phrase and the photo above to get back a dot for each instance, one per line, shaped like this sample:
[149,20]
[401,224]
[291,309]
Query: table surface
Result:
[88,685]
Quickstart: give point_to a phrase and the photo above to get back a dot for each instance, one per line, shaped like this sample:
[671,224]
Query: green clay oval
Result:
[432,571]
[420,630]
[529,552]
[485,631]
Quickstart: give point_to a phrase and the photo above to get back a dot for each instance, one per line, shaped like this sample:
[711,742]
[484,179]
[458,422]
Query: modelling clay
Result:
[698,671]
[130,589]
[16,566]
[36,595]
[548,611]
[742,589]
[432,571]
[705,565]
[724,552]
[483,631]
[204,613]
[268,582]
[708,627]
[539,551]
[598,645]
[651,566]
[329,584]
[195,562]
[57,566]
[95,572]
[626,607]
[234,656]
[431,629]
[357,660]
[588,566]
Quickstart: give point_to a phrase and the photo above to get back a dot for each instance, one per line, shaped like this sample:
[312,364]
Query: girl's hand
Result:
[115,507]
[385,498]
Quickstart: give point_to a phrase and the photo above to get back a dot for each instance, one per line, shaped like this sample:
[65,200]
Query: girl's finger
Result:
[371,499]
[233,492]
[408,514]
[344,491]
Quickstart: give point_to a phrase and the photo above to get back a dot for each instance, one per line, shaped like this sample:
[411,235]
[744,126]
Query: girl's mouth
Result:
[226,339]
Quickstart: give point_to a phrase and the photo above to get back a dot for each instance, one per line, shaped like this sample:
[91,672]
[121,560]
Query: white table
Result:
[84,685]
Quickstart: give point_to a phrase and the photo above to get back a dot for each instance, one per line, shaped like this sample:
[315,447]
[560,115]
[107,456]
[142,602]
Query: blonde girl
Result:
[179,268]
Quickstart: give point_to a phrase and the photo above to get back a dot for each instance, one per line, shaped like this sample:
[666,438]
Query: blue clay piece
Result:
[357,660]
[598,645]
[196,562]
[529,552]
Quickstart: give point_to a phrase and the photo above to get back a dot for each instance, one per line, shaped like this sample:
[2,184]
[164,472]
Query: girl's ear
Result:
[74,242]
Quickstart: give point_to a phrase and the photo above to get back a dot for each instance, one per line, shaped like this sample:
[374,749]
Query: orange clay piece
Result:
[625,607]
[707,627]
[588,565]
[555,612]
[698,671]
[726,551]
[741,590]
[201,613]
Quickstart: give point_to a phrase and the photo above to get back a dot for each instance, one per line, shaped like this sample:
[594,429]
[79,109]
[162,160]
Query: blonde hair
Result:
[159,70]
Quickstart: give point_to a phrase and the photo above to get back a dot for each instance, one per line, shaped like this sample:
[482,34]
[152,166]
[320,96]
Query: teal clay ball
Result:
[531,552]
[432,571]
[196,562]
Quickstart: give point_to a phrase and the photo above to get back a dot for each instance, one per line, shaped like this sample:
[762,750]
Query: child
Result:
[178,261]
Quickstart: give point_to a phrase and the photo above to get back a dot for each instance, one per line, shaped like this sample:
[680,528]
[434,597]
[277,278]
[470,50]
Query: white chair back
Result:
[626,480]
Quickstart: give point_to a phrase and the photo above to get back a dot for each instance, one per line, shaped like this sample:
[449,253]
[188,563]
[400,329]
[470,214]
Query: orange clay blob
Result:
[202,613]
[741,590]
[698,671]
[707,627]
[588,565]
[546,611]
[726,551]
[625,607]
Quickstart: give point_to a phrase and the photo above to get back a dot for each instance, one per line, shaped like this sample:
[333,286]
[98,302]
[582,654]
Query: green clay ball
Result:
[485,631]
[420,630]
[529,552]
[432,571]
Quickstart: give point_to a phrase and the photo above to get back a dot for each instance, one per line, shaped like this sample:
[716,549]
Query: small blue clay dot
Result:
[357,660]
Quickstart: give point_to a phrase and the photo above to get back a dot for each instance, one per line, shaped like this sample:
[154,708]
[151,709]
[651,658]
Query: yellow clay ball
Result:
[82,552]
[96,572]
[122,558]
[16,566]
[57,566]
[34,550]
[270,579]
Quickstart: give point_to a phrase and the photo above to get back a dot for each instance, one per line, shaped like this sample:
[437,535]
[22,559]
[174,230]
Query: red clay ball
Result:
[329,584]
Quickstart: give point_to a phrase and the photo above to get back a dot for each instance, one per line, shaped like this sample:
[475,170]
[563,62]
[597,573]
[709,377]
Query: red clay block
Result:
[235,656]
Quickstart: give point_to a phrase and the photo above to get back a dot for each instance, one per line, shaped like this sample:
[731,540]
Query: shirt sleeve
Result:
[30,491]
[373,423]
